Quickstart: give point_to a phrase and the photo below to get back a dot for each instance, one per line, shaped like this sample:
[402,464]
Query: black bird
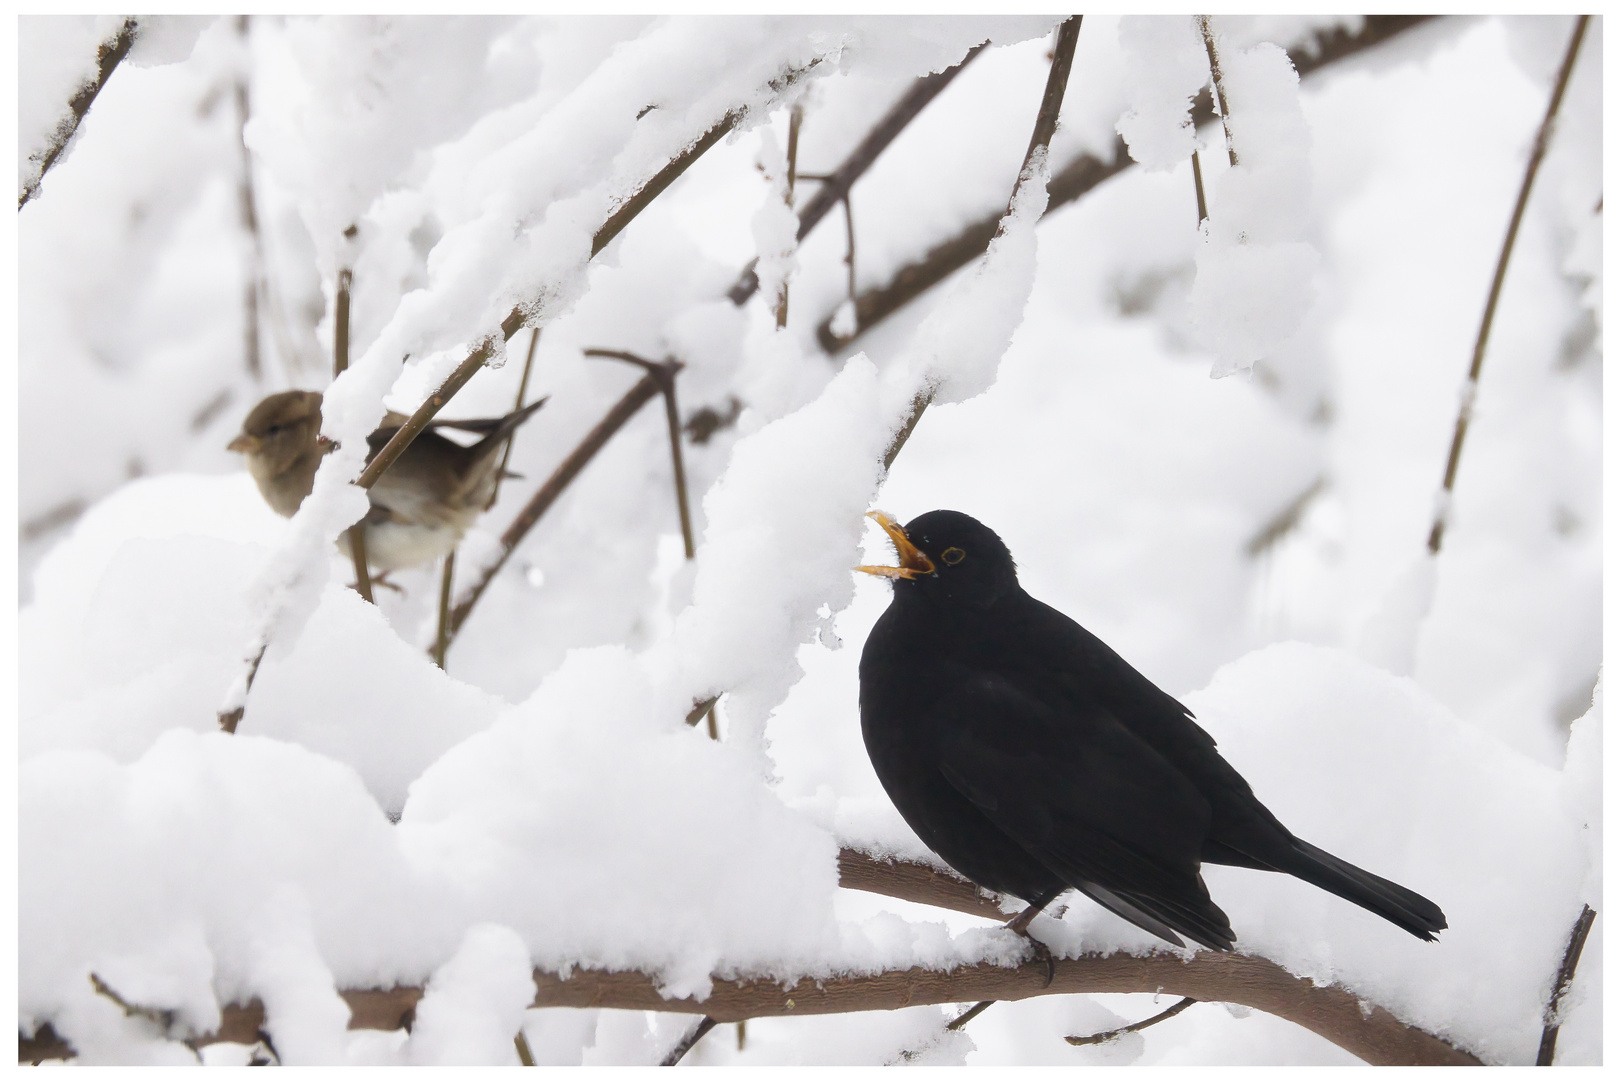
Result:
[1033,759]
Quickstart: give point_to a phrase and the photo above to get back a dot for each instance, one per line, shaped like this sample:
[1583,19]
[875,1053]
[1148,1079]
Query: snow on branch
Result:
[1365,1029]
[109,55]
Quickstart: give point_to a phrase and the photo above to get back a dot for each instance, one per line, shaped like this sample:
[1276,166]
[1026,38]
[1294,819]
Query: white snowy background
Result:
[1440,725]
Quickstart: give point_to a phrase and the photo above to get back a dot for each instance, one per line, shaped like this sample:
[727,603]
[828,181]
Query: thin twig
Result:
[442,641]
[108,56]
[961,1021]
[666,372]
[795,118]
[1219,85]
[848,222]
[689,1040]
[1045,126]
[524,1054]
[231,717]
[522,399]
[1565,976]
[250,217]
[340,363]
[1197,183]
[903,111]
[1108,1036]
[1470,389]
[541,500]
[1080,176]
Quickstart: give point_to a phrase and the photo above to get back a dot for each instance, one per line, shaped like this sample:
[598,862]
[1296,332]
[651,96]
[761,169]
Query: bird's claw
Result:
[1044,953]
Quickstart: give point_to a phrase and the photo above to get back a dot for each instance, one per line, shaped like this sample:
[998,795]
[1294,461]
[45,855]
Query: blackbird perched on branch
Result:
[1033,759]
[420,508]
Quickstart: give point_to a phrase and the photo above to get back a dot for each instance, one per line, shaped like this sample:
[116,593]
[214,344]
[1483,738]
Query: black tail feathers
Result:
[1410,911]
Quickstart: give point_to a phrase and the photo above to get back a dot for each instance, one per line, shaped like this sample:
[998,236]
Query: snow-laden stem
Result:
[837,183]
[1045,126]
[615,223]
[1363,1028]
[795,120]
[1565,975]
[108,56]
[1219,85]
[441,642]
[1075,179]
[1464,414]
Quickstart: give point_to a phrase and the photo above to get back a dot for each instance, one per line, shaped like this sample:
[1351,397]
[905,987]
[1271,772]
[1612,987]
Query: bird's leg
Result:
[1019,925]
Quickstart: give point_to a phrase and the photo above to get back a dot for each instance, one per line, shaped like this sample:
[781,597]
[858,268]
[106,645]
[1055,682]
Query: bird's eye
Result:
[952,556]
[272,429]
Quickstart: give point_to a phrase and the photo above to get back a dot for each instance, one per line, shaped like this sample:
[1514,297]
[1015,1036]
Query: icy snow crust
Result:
[554,809]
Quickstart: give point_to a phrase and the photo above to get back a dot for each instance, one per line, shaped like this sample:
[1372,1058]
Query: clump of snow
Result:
[474,1002]
[1167,67]
[1255,272]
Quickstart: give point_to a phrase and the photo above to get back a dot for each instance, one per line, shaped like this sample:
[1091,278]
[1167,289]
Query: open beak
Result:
[912,563]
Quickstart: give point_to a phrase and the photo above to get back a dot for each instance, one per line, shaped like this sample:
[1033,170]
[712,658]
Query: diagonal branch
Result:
[108,56]
[1045,126]
[1080,176]
[1470,390]
[836,185]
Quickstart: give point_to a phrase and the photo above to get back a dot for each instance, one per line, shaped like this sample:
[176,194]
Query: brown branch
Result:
[1108,1036]
[1565,976]
[689,1040]
[228,720]
[1542,138]
[1080,176]
[837,183]
[1045,126]
[441,642]
[1219,85]
[795,120]
[525,1056]
[1197,184]
[1360,1027]
[108,56]
[541,501]
[250,217]
[666,372]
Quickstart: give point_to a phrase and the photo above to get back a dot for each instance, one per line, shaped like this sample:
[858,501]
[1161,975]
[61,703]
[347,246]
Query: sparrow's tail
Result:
[1411,912]
[496,431]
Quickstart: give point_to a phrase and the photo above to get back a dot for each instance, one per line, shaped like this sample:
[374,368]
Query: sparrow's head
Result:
[947,556]
[281,438]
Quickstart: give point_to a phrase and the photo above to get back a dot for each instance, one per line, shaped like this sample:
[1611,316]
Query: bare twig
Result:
[250,216]
[524,1055]
[1045,125]
[848,224]
[231,717]
[1565,976]
[795,119]
[522,399]
[1470,391]
[689,1040]
[1197,183]
[1075,179]
[961,1021]
[541,501]
[1108,1036]
[1285,521]
[1219,85]
[340,363]
[441,644]
[859,160]
[108,56]
[666,372]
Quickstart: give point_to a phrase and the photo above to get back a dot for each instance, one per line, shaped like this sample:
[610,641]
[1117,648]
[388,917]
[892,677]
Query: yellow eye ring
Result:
[952,556]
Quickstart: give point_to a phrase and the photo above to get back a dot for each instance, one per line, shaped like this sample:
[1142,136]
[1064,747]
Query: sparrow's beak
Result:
[912,563]
[244,444]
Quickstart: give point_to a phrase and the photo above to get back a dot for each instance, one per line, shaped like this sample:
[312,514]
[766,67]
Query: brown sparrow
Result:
[420,507]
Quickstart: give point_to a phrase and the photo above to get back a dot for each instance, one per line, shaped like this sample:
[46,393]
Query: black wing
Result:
[1086,797]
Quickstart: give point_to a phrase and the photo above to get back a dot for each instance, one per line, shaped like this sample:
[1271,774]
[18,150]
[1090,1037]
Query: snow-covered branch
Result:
[1365,1029]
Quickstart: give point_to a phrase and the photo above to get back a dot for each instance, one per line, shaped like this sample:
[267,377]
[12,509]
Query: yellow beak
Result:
[912,562]
[244,444]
